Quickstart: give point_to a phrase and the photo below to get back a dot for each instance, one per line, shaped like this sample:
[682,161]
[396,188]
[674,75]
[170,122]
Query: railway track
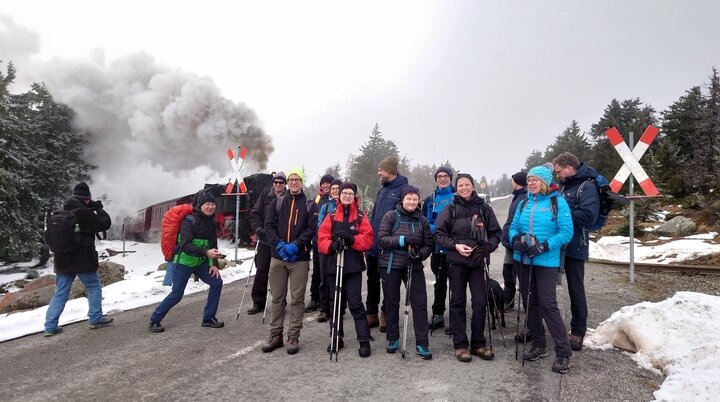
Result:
[682,268]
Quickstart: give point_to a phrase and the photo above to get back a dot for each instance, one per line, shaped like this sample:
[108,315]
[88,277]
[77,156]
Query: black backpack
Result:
[63,232]
[609,200]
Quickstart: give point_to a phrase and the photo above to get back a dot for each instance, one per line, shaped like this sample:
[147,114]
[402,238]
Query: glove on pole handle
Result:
[257,243]
[407,301]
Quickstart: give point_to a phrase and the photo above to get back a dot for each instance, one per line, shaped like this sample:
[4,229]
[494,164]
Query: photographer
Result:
[81,263]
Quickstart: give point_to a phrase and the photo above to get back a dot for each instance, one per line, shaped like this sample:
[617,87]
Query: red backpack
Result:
[170,227]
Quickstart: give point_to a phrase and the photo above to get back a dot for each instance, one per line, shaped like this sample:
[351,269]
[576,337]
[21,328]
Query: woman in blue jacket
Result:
[542,225]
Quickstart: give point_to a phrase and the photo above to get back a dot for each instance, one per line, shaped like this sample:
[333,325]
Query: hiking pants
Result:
[283,276]
[439,267]
[316,275]
[373,286]
[352,297]
[418,302]
[460,277]
[575,272]
[180,280]
[509,276]
[262,264]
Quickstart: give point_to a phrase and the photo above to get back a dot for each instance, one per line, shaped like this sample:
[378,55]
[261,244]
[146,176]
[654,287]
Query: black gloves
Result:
[537,249]
[413,239]
[97,204]
[336,246]
[519,245]
[346,238]
[414,254]
[260,233]
[483,248]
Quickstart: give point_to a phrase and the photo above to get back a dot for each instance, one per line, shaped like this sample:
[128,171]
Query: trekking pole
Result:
[257,243]
[527,308]
[267,297]
[487,304]
[519,307]
[407,301]
[337,305]
[492,294]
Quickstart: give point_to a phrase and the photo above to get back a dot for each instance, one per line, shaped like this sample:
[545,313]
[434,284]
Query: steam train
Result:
[145,224]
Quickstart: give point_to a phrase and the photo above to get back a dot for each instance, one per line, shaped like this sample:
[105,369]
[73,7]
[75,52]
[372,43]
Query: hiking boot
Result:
[293,345]
[254,310]
[561,365]
[273,342]
[102,322]
[520,336]
[373,320]
[213,323]
[423,351]
[463,355]
[156,327]
[535,353]
[576,342]
[48,334]
[322,317]
[312,306]
[364,350]
[383,321]
[340,345]
[437,322]
[484,353]
[392,347]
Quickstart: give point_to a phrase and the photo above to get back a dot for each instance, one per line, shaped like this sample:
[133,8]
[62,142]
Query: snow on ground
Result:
[617,248]
[142,286]
[677,336]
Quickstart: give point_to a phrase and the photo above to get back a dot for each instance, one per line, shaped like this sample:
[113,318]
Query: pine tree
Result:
[572,140]
[534,159]
[364,166]
[706,144]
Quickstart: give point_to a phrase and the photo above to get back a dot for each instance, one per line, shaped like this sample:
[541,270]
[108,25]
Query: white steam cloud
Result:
[155,132]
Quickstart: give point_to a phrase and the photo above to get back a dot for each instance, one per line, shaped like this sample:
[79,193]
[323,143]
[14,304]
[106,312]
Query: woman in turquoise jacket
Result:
[541,227]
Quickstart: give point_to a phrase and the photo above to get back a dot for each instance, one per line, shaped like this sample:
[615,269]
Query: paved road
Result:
[188,362]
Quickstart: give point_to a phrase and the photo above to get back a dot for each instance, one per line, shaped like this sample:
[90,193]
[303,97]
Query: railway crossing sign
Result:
[236,167]
[631,160]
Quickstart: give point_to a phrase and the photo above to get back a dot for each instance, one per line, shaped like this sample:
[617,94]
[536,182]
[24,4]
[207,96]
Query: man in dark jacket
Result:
[197,249]
[264,250]
[290,225]
[519,182]
[321,199]
[82,263]
[583,198]
[388,197]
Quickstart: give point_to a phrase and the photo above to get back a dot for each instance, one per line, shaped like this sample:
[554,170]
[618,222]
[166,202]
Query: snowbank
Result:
[616,248]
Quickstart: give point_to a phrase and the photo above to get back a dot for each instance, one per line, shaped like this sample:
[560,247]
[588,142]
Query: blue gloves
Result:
[292,252]
[537,249]
[280,250]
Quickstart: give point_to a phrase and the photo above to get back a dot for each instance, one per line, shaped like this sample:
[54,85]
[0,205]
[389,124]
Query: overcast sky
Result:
[478,83]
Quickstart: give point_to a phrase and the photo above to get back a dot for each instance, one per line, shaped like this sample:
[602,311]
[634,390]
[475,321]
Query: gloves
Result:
[346,238]
[414,254]
[483,248]
[292,252]
[260,233]
[280,250]
[537,249]
[519,245]
[96,204]
[336,246]
[414,240]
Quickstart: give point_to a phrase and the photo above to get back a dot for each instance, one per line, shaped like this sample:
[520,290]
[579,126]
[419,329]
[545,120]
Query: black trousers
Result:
[351,297]
[316,275]
[323,288]
[543,306]
[260,283]
[418,302]
[460,277]
[439,267]
[575,273]
[373,285]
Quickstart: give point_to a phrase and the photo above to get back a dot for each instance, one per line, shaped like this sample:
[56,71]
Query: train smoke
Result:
[154,132]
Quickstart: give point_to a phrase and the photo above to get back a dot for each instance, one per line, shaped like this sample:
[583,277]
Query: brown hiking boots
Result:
[463,355]
[484,353]
[373,320]
[383,321]
[322,317]
[293,345]
[576,342]
[273,342]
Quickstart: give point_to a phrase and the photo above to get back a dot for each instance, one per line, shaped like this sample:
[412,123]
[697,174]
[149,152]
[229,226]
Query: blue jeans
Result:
[63,283]
[169,272]
[180,279]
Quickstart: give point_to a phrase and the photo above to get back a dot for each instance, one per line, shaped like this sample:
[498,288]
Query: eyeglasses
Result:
[278,182]
[533,180]
[294,180]
[558,171]
[442,176]
[347,194]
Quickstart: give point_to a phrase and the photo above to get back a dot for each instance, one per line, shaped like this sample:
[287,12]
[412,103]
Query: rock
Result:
[108,271]
[32,274]
[676,227]
[162,267]
[35,294]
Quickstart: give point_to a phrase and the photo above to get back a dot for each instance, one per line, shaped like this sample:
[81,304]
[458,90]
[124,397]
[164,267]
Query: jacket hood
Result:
[448,189]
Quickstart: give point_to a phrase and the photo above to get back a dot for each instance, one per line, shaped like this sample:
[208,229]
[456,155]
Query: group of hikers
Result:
[546,234]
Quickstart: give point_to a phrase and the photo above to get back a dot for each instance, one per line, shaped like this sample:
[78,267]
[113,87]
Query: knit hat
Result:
[280,176]
[445,170]
[82,190]
[542,172]
[297,172]
[467,176]
[409,190]
[349,185]
[336,182]
[520,178]
[326,179]
[205,197]
[389,164]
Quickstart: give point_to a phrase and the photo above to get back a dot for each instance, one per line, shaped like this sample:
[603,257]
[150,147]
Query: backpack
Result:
[170,228]
[608,200]
[63,232]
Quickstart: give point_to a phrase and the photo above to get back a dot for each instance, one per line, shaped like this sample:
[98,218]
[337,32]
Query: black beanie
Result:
[326,179]
[467,176]
[445,170]
[336,182]
[206,197]
[82,190]
[520,178]
[409,190]
[349,185]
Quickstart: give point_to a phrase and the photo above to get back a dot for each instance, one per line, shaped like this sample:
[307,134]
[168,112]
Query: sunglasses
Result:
[278,182]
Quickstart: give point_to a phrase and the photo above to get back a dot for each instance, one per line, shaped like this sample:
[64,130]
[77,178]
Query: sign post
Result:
[631,168]
[242,151]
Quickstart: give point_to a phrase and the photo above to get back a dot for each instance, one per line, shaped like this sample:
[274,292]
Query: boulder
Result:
[108,271]
[676,227]
[35,294]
